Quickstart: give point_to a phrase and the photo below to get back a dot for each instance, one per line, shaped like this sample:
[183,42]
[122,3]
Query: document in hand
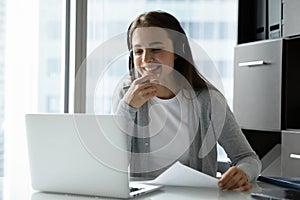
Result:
[181,175]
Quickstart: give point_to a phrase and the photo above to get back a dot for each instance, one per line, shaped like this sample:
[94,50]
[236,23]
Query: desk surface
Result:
[18,191]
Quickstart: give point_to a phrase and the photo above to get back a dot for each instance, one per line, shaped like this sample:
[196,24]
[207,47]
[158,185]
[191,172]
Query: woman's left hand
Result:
[234,178]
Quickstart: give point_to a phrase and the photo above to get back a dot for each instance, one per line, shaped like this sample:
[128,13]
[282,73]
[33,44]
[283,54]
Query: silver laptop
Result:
[80,154]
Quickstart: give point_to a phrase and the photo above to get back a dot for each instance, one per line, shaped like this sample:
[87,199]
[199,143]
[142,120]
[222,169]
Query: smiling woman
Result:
[194,113]
[209,23]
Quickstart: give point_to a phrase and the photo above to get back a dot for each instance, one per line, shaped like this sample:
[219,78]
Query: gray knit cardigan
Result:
[216,124]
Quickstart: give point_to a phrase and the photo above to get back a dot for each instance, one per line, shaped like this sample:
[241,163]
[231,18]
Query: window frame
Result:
[80,55]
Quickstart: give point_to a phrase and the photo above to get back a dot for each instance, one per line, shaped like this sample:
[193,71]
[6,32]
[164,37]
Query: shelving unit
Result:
[266,73]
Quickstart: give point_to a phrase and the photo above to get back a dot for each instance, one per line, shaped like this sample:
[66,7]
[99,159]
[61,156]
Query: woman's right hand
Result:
[141,90]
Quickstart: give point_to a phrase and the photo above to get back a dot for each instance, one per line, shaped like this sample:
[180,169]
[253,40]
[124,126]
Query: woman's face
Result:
[153,51]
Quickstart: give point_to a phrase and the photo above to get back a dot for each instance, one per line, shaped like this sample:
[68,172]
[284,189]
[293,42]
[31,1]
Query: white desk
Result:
[23,192]
[167,193]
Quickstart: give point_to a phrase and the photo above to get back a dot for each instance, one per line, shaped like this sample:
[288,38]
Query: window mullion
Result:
[80,55]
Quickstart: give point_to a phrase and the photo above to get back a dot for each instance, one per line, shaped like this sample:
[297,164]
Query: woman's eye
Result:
[138,52]
[156,49]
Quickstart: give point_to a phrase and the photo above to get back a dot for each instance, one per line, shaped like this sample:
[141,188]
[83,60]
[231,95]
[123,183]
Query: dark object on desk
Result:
[276,194]
[292,183]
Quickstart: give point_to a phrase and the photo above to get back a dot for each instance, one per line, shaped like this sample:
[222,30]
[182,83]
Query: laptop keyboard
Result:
[133,189]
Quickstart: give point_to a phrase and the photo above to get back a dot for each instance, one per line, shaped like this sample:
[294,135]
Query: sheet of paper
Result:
[181,175]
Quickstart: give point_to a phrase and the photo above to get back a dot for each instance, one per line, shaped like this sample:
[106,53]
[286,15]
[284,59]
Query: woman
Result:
[174,113]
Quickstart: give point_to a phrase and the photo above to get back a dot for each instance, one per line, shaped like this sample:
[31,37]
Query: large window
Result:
[32,64]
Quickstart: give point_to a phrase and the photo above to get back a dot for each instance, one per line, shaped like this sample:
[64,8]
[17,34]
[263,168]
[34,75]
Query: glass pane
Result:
[32,75]
[2,41]
[51,56]
[210,24]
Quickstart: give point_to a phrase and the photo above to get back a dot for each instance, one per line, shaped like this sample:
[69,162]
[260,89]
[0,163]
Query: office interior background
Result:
[33,54]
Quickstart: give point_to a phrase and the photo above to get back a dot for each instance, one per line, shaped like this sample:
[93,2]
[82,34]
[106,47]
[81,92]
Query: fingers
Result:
[145,79]
[140,91]
[224,182]
[145,83]
[246,187]
[147,92]
[234,178]
[144,88]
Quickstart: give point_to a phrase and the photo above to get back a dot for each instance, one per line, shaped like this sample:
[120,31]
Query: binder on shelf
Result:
[274,18]
[261,21]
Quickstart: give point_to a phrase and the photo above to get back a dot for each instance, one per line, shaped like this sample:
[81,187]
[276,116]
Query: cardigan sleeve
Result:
[119,106]
[231,138]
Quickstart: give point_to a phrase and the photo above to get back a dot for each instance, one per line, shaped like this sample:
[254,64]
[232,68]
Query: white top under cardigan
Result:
[168,128]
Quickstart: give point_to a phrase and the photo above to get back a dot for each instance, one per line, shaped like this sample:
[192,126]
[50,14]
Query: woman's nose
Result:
[148,56]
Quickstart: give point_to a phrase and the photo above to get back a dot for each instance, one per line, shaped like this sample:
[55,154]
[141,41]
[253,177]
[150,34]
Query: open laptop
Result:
[80,154]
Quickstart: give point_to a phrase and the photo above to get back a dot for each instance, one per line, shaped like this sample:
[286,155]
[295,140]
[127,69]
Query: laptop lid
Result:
[78,153]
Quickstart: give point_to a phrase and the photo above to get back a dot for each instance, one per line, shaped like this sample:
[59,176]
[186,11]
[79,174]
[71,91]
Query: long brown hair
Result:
[183,64]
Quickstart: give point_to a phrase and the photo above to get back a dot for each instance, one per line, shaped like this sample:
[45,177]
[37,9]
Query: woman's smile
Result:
[152,68]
